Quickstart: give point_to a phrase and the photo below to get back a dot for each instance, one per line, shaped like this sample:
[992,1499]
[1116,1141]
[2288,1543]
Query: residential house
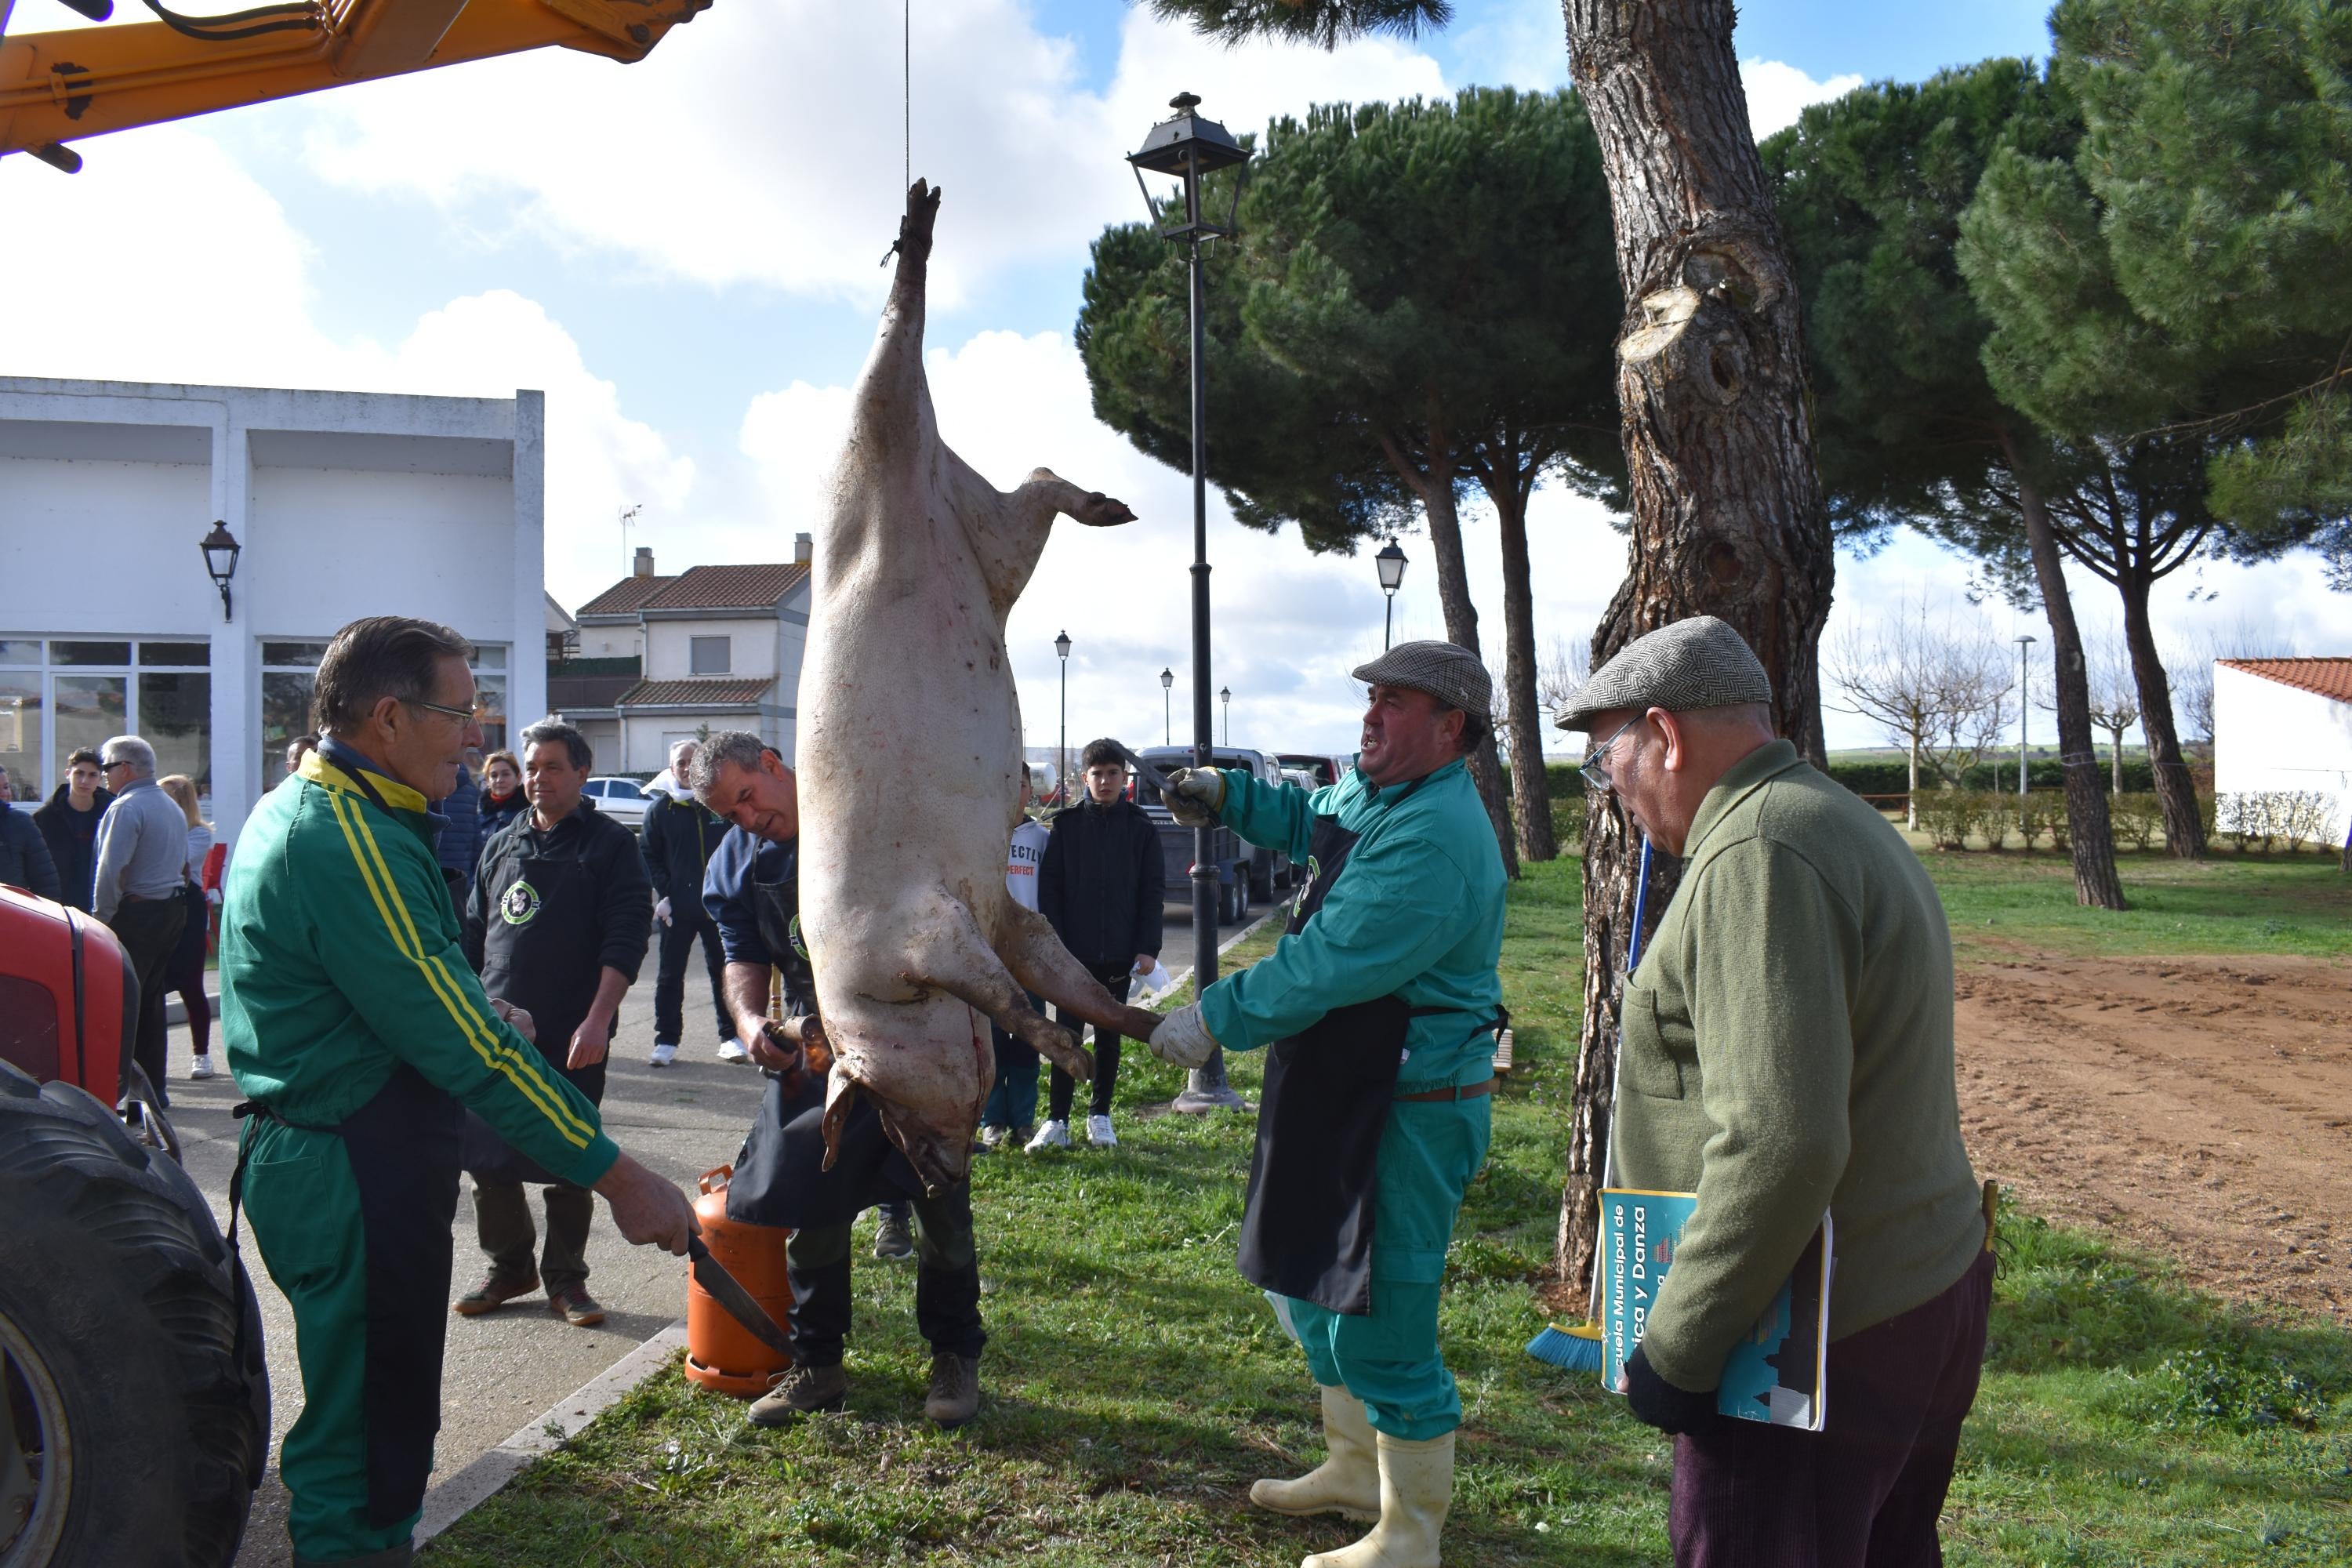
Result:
[667,659]
[2284,725]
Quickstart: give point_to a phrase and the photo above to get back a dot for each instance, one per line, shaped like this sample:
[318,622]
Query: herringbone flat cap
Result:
[1697,663]
[1447,671]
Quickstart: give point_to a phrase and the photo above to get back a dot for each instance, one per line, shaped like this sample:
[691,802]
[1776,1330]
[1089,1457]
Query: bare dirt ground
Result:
[2199,1107]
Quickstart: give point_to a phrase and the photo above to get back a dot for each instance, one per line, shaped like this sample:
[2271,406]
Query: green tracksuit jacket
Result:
[340,960]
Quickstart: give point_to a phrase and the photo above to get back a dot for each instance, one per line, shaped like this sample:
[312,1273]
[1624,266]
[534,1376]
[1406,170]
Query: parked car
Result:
[1262,870]
[623,800]
[1302,778]
[1325,770]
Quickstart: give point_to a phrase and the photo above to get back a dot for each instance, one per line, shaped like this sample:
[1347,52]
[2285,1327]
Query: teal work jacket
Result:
[1417,913]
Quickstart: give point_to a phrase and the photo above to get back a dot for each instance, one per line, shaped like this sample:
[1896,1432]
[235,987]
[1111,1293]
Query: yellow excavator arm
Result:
[59,88]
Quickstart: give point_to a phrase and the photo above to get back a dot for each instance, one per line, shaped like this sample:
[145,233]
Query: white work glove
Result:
[661,911]
[1181,1039]
[1195,795]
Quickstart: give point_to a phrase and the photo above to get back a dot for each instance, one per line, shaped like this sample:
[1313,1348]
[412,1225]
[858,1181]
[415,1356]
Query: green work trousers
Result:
[1390,1359]
[352,1223]
[502,1220]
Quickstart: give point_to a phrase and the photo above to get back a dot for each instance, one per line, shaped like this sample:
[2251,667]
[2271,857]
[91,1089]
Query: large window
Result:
[60,694]
[709,656]
[290,669]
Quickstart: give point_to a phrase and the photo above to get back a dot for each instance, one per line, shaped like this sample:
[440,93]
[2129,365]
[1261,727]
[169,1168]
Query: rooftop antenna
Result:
[628,561]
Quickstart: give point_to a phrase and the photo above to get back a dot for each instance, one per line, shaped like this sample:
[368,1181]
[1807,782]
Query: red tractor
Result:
[134,1399]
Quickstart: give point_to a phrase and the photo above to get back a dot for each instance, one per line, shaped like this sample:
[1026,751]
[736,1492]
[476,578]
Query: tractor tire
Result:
[136,1398]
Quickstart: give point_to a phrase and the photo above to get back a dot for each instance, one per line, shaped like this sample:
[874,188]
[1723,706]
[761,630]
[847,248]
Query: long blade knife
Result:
[722,1288]
[1145,771]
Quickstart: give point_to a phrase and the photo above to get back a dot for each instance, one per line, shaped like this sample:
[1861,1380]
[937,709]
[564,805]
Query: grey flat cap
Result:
[1697,663]
[1447,671]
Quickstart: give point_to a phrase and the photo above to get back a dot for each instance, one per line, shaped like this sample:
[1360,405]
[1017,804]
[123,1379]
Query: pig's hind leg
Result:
[948,951]
[1040,961]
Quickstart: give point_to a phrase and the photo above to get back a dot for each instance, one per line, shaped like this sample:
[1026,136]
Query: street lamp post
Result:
[2023,705]
[221,550]
[1188,149]
[1167,707]
[1225,696]
[1062,745]
[1391,563]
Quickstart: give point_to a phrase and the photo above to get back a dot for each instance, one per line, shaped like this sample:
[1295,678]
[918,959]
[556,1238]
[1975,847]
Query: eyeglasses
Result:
[463,715]
[1596,762]
[117,762]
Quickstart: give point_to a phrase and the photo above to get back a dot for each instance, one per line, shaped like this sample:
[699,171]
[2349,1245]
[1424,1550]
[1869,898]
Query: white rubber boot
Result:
[1347,1482]
[1416,1488]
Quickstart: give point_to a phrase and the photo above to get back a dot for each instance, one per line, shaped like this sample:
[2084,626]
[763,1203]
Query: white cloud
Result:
[184,269]
[1777,93]
[762,145]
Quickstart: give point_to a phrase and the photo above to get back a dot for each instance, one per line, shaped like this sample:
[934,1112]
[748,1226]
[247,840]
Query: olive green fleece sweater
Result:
[1786,1048]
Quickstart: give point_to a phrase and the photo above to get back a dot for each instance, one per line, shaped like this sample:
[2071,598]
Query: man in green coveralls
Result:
[1412,912]
[358,1030]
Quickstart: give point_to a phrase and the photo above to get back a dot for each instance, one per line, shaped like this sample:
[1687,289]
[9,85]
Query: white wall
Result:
[2271,736]
[612,642]
[347,504]
[755,644]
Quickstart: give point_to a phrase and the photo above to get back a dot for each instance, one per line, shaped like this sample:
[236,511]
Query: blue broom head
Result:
[1574,1347]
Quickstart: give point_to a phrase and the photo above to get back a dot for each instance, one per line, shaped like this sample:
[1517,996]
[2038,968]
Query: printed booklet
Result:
[1776,1374]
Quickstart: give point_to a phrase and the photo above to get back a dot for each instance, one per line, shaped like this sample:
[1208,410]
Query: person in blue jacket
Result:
[1380,1005]
[24,860]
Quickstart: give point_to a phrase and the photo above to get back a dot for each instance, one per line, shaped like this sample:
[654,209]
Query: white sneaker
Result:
[1100,1134]
[1051,1135]
[665,1053]
[994,1138]
[202,1067]
[731,1050]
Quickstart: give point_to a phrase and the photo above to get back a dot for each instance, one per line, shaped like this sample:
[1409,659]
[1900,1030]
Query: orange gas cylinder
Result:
[721,1354]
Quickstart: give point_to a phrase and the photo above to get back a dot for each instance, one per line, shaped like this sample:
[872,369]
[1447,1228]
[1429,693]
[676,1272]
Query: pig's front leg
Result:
[1040,961]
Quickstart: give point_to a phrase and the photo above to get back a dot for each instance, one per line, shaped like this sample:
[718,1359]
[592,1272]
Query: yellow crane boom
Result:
[59,88]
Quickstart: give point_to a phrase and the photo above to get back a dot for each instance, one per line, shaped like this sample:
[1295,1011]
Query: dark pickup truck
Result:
[1247,873]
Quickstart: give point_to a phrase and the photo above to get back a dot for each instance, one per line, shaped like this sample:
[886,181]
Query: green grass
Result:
[1134,1385]
[2225,905]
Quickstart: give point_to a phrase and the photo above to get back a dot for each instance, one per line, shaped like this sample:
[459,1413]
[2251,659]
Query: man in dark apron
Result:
[752,892]
[557,924]
[1380,1006]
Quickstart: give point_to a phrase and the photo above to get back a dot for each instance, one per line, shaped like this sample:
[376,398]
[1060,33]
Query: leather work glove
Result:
[1181,1039]
[1659,1404]
[661,911]
[1195,795]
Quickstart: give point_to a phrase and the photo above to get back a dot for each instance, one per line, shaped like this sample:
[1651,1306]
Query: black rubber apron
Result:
[541,952]
[1306,1226]
[780,1176]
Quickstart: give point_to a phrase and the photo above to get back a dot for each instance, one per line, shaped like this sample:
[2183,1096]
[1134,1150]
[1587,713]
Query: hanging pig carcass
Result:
[910,761]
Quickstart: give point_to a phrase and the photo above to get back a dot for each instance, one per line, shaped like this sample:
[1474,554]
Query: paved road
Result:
[503,1369]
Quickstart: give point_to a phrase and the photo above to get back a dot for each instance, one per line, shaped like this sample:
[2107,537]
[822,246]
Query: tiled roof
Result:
[758,586]
[626,597]
[2328,676]
[702,693]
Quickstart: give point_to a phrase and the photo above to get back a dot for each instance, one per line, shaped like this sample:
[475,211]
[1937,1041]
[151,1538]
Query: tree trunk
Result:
[2115,751]
[1435,488]
[2090,833]
[1727,506]
[1911,800]
[2176,791]
[1530,788]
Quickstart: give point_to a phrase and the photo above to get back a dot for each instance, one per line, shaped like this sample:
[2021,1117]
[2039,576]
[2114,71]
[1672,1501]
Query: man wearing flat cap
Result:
[1786,1049]
[1380,1006]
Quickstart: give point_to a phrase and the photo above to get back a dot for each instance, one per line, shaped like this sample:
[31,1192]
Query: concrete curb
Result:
[450,1500]
[175,1012]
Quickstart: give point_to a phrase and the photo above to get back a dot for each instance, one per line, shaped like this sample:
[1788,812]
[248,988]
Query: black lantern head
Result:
[1186,148]
[1062,645]
[1391,563]
[221,550]
[1225,694]
[1166,678]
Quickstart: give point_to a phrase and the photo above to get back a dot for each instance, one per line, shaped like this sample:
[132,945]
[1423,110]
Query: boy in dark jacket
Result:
[24,854]
[679,835]
[69,825]
[1101,885]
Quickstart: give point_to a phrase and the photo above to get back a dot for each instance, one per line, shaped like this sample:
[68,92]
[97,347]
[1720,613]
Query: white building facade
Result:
[344,505]
[2284,725]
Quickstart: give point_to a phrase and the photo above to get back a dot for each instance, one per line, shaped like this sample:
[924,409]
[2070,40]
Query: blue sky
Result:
[682,254]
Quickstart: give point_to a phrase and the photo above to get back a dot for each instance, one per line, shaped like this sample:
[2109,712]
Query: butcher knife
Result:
[722,1288]
[1145,771]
